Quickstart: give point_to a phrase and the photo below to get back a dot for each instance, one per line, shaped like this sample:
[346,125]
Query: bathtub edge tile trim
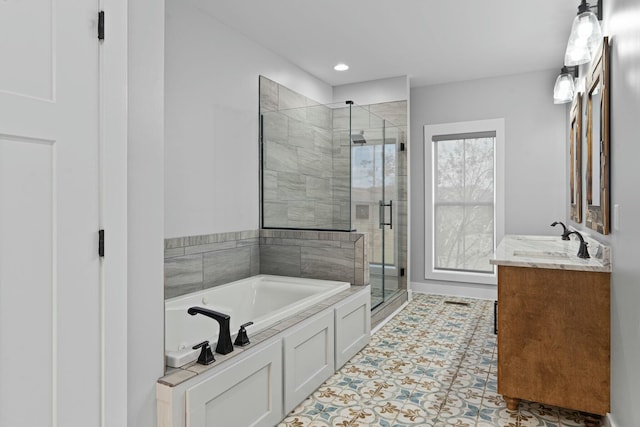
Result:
[177,377]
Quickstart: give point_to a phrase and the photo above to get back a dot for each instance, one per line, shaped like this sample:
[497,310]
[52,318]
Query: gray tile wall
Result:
[194,263]
[300,189]
[297,160]
[315,254]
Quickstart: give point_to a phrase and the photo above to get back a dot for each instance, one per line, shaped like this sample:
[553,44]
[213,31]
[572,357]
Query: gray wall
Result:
[535,138]
[373,91]
[622,24]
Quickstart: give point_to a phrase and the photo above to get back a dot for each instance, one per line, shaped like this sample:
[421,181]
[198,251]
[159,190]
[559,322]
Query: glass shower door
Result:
[373,190]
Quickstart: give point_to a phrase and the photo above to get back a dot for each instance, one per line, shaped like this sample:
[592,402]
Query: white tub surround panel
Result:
[551,252]
[354,314]
[247,381]
[308,358]
[237,397]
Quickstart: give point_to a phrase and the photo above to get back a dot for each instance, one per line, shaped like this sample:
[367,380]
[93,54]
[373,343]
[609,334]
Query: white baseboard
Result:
[389,317]
[457,289]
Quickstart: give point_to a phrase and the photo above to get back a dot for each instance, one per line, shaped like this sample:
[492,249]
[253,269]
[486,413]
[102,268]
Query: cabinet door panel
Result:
[353,327]
[245,394]
[308,358]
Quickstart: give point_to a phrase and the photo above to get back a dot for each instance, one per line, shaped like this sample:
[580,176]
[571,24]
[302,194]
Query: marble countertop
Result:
[551,252]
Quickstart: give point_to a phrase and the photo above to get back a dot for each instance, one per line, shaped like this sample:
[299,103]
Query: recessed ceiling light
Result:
[341,67]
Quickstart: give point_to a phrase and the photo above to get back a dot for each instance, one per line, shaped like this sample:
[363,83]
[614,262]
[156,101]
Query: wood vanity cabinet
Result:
[553,337]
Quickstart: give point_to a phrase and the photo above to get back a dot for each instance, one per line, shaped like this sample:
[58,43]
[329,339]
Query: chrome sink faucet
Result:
[582,251]
[565,232]
[224,345]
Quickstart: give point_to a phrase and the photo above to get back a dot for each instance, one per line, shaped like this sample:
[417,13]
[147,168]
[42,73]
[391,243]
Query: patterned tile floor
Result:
[434,364]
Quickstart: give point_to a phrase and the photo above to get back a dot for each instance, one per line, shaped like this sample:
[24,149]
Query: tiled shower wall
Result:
[297,174]
[198,262]
[307,176]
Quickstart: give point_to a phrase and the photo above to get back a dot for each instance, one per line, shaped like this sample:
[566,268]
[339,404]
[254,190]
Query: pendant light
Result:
[564,89]
[585,37]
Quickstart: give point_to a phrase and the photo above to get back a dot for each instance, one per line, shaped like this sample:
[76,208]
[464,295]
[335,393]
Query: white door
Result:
[49,183]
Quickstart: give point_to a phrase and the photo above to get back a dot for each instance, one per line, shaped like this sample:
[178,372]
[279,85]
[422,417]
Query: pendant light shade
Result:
[564,89]
[585,37]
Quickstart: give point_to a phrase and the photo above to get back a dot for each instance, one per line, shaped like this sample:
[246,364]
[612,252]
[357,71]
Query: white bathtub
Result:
[263,300]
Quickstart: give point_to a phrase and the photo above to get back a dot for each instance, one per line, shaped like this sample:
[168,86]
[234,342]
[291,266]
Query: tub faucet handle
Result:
[242,339]
[206,355]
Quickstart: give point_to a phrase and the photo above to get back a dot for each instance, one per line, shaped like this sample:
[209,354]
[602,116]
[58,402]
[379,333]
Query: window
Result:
[464,199]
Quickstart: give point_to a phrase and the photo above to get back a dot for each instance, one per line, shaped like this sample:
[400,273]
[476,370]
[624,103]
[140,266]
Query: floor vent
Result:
[457,303]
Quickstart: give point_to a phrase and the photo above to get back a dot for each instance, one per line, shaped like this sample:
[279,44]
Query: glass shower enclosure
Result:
[333,168]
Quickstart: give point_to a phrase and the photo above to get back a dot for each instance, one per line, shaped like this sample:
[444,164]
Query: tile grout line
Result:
[477,321]
[484,389]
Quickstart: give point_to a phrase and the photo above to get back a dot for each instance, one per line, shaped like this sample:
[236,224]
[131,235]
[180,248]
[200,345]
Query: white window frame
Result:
[470,127]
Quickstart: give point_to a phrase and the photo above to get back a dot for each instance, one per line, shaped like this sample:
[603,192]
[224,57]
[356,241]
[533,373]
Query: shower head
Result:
[358,138]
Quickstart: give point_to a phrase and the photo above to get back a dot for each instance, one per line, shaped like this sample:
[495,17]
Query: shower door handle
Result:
[382,206]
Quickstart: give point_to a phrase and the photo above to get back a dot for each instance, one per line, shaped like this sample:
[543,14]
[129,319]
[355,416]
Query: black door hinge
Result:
[402,146]
[402,272]
[101,25]
[101,243]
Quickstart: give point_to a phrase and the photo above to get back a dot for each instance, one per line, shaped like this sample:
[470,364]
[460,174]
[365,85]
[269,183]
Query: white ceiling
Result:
[431,41]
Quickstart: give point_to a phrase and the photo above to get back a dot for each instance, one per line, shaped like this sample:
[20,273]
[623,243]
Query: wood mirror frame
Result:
[575,156]
[597,215]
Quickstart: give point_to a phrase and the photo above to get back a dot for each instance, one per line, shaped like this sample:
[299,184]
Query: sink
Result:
[541,254]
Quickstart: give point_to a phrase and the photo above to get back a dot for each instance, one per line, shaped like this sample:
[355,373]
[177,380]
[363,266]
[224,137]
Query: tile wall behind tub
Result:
[327,255]
[193,263]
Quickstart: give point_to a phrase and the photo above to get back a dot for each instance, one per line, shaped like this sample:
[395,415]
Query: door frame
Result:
[113,211]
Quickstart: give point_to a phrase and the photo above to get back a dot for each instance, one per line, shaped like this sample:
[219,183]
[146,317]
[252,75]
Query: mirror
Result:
[575,155]
[598,142]
[594,145]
